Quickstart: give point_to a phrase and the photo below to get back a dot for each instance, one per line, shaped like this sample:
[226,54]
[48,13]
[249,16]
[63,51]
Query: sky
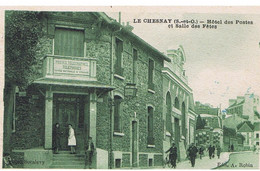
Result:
[221,63]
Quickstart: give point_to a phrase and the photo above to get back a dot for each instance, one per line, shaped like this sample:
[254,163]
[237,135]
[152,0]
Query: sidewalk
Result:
[205,162]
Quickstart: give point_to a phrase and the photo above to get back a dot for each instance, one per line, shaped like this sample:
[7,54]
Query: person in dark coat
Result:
[210,150]
[90,149]
[218,151]
[232,148]
[56,138]
[213,151]
[201,151]
[173,154]
[192,153]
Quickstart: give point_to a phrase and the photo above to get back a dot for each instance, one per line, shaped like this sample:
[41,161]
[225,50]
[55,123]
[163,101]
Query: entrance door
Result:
[69,109]
[134,144]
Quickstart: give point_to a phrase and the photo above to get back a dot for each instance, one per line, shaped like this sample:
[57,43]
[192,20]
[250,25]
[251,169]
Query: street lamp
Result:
[130,90]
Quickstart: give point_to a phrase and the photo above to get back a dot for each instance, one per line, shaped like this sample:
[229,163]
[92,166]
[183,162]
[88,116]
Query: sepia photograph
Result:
[131,88]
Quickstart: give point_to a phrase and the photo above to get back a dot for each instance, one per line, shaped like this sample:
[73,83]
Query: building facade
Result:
[178,105]
[110,85]
[246,107]
[206,109]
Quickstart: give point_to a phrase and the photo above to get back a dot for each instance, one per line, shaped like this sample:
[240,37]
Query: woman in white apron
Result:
[72,140]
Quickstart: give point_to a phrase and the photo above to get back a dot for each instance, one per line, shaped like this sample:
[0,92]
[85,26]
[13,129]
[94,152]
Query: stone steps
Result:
[68,161]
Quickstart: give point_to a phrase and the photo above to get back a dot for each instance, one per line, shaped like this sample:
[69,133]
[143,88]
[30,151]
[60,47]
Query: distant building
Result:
[247,130]
[246,107]
[206,109]
[212,132]
[256,134]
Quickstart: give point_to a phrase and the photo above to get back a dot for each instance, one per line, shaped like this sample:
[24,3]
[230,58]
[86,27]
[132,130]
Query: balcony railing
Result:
[79,68]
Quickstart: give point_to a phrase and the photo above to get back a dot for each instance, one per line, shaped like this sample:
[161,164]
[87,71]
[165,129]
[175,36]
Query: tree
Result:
[200,124]
[23,30]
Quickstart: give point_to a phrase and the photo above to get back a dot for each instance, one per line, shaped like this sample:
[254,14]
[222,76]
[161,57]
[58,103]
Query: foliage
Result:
[200,124]
[23,29]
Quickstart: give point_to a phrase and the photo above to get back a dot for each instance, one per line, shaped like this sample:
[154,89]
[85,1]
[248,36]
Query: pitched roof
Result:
[124,30]
[245,126]
[236,104]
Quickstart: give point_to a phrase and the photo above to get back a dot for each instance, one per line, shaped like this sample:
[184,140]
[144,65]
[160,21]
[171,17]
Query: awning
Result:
[73,83]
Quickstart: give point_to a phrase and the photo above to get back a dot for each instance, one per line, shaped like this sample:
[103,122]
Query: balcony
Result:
[71,68]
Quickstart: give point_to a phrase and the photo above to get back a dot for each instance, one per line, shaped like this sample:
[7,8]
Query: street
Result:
[238,160]
[247,160]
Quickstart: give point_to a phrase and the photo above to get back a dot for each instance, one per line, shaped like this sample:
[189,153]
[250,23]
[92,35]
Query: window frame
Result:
[118,107]
[150,128]
[119,66]
[69,28]
[151,74]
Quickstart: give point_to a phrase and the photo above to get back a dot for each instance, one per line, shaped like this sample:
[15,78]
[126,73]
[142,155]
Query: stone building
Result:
[206,109]
[246,107]
[178,105]
[110,85]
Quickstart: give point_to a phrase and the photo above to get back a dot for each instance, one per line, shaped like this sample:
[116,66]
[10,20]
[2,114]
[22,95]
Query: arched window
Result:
[168,113]
[117,113]
[176,103]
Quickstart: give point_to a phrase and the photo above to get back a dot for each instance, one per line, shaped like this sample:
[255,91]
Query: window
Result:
[135,57]
[150,162]
[176,103]
[69,42]
[117,114]
[118,163]
[168,113]
[150,74]
[119,59]
[257,143]
[257,135]
[150,126]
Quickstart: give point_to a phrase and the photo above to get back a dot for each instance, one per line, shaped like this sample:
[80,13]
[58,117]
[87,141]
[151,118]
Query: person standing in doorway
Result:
[172,155]
[218,151]
[232,148]
[192,153]
[56,138]
[90,149]
[72,140]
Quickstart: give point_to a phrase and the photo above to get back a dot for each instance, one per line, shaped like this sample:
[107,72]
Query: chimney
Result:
[232,101]
[129,27]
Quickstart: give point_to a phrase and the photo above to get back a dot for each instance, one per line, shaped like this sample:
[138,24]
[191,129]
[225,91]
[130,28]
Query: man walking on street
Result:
[213,151]
[210,149]
[192,153]
[201,151]
[173,155]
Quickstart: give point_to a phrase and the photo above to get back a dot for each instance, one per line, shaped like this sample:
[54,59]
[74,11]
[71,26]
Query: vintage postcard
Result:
[131,87]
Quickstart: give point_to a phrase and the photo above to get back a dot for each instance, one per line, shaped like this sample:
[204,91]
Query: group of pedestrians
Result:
[192,153]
